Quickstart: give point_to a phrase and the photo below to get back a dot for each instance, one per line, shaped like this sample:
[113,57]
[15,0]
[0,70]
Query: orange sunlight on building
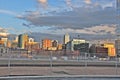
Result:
[46,43]
[111,49]
[59,46]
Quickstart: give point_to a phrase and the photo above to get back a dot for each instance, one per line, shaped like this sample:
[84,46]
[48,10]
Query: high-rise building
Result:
[66,38]
[118,4]
[117,46]
[71,44]
[46,43]
[22,41]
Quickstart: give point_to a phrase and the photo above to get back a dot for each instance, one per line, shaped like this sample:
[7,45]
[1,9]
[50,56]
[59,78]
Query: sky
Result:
[58,17]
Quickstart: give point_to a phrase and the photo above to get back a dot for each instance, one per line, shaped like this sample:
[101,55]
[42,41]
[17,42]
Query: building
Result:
[118,7]
[54,43]
[103,50]
[59,47]
[71,44]
[66,38]
[32,45]
[3,41]
[22,41]
[46,43]
[117,47]
[82,48]
[111,49]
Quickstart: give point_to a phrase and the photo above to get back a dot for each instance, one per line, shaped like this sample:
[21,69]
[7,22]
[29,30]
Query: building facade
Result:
[82,48]
[22,41]
[46,43]
[117,47]
[111,49]
[54,43]
[66,38]
[71,44]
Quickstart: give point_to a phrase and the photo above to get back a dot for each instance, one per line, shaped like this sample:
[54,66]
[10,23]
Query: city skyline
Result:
[90,18]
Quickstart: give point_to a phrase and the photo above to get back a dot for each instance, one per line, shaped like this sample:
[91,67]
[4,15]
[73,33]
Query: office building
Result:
[82,48]
[22,41]
[46,43]
[66,38]
[111,49]
[71,44]
[117,46]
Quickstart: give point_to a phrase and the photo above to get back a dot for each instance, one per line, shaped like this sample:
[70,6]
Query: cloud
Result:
[43,3]
[91,20]
[75,19]
[8,12]
[94,30]
[3,32]
[69,3]
[88,1]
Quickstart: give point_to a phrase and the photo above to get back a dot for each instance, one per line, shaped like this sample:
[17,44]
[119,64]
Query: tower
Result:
[66,38]
[117,45]
[22,41]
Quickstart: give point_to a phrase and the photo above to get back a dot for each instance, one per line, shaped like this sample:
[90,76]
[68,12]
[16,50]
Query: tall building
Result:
[118,7]
[66,38]
[82,48]
[22,41]
[117,46]
[71,44]
[46,43]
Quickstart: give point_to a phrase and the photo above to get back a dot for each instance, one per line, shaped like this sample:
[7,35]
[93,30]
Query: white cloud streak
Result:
[94,30]
[8,12]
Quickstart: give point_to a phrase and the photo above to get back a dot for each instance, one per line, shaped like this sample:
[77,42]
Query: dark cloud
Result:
[75,19]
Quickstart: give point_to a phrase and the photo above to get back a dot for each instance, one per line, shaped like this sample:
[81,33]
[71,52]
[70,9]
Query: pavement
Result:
[58,71]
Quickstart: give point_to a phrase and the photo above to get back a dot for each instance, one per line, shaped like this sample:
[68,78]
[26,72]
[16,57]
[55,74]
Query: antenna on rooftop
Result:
[78,36]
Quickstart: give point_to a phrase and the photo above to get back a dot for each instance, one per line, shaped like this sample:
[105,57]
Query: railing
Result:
[50,64]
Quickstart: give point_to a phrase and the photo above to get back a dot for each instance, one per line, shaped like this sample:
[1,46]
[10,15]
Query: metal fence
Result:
[54,63]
